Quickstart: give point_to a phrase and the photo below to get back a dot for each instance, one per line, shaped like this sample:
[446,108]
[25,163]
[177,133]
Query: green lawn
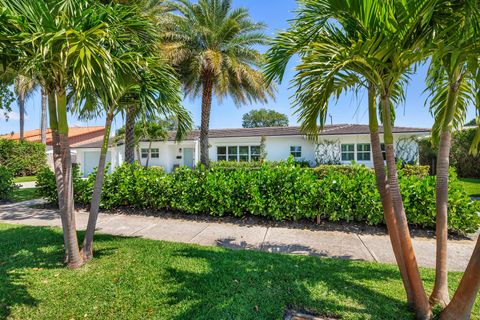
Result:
[25,179]
[472,186]
[24,194]
[133,278]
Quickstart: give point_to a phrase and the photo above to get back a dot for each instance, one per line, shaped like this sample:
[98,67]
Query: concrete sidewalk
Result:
[347,245]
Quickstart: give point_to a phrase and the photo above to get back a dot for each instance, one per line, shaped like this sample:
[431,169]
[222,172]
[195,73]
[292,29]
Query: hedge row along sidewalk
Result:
[284,191]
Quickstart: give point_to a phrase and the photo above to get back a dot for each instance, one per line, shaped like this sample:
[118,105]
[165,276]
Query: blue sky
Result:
[274,13]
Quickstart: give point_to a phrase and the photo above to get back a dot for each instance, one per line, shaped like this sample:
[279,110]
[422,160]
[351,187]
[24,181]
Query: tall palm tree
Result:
[212,46]
[43,116]
[360,44]
[74,52]
[451,83]
[24,88]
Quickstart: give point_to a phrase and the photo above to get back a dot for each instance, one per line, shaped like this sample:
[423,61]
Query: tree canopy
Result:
[264,118]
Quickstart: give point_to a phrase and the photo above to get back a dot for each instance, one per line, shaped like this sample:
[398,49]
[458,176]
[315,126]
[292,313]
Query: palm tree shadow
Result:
[23,249]
[257,285]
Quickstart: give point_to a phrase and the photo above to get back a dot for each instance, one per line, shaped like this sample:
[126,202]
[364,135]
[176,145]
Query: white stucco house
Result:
[345,142]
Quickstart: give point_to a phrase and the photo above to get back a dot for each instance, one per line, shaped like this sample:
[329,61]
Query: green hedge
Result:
[22,158]
[7,186]
[282,192]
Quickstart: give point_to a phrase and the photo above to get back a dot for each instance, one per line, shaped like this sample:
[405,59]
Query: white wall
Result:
[277,148]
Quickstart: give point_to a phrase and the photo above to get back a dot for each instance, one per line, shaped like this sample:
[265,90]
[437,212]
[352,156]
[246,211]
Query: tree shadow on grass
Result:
[256,285]
[28,249]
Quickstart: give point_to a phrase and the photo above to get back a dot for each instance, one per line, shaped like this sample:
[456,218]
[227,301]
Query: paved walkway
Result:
[348,245]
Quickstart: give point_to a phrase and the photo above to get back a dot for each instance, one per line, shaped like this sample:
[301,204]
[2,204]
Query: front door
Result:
[188,157]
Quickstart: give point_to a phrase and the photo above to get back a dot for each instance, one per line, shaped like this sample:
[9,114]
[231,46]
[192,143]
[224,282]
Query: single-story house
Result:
[340,143]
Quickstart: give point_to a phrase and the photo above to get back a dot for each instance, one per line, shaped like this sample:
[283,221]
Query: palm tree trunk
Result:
[57,165]
[130,135]
[440,290]
[460,308]
[205,122]
[384,190]
[422,307]
[43,121]
[149,153]
[87,248]
[21,110]
[74,258]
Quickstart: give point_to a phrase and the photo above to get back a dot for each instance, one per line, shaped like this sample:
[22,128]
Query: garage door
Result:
[90,161]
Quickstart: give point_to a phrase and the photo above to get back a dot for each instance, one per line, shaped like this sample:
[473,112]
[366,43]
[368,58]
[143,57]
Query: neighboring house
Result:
[76,136]
[346,143]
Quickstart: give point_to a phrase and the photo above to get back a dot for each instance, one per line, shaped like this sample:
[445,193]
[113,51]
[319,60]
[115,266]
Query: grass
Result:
[133,278]
[25,179]
[24,194]
[472,186]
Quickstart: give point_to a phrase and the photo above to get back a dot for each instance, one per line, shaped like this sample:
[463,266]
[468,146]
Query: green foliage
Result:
[7,186]
[278,191]
[264,118]
[23,158]
[415,170]
[47,187]
[466,164]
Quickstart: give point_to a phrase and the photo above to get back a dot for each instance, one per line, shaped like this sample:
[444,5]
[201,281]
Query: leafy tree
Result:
[212,47]
[264,118]
[472,122]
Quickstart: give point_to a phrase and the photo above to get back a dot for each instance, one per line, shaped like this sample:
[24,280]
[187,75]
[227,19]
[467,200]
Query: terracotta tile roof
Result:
[336,129]
[76,135]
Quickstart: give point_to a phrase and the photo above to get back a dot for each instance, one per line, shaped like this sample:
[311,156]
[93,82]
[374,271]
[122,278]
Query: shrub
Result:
[460,158]
[414,170]
[7,186]
[284,191]
[23,158]
[47,186]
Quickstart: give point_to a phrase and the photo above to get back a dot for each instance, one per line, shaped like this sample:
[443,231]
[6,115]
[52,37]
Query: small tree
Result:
[264,118]
[328,152]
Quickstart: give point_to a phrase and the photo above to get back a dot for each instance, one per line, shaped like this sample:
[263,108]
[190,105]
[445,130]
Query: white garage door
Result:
[90,161]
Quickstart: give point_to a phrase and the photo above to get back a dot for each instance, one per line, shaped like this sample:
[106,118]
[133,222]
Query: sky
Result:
[275,14]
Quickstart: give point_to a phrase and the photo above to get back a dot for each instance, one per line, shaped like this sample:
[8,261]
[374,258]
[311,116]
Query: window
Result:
[384,154]
[296,151]
[363,152]
[348,152]
[255,153]
[155,153]
[243,153]
[238,153]
[233,153]
[221,153]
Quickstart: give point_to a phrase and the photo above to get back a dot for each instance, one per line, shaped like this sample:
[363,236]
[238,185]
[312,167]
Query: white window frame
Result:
[228,156]
[364,152]
[349,152]
[155,153]
[296,151]
[144,153]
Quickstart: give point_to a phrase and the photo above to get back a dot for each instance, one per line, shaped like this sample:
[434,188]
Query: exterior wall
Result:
[277,148]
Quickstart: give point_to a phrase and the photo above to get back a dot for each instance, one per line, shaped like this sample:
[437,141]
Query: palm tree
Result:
[358,48]
[451,82]
[43,116]
[74,52]
[212,47]
[24,88]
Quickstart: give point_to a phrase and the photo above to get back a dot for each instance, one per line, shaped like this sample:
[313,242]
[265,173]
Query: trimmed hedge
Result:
[282,192]
[22,158]
[7,186]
